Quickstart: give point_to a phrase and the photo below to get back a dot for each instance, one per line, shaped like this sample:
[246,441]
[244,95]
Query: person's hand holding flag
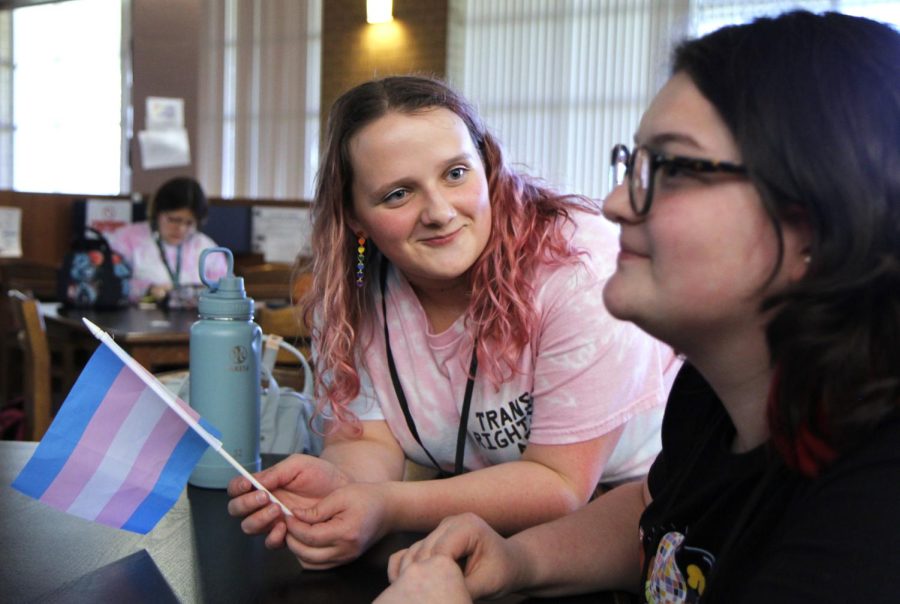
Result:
[121,447]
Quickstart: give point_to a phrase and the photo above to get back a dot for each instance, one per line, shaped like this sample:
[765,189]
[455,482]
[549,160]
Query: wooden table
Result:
[197,553]
[155,338]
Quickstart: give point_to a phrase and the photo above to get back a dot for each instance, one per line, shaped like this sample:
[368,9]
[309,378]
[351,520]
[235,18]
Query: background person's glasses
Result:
[639,166]
[178,221]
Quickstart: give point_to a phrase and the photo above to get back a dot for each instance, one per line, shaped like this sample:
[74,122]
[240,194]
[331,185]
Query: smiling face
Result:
[694,271]
[420,194]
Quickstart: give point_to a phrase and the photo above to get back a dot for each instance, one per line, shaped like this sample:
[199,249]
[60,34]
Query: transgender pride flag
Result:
[117,453]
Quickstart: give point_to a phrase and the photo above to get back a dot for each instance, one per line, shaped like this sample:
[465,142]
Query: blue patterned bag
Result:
[93,275]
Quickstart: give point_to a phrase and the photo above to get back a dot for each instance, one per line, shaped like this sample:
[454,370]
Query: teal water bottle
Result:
[224,363]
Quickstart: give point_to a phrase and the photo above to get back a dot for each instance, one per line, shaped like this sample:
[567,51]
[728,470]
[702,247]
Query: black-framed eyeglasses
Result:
[639,166]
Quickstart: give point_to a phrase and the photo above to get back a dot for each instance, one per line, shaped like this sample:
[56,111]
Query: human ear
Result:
[349,214]
[798,239]
[355,227]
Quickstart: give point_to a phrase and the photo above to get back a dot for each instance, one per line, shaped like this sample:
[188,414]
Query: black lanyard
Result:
[401,397]
[174,276]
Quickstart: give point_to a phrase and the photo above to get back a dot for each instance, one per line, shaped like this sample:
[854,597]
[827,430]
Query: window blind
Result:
[6,104]
[259,98]
[561,82]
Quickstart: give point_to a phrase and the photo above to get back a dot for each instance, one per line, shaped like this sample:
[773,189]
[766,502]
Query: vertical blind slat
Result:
[265,55]
[559,82]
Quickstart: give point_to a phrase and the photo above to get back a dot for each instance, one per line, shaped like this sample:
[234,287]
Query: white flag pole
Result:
[161,391]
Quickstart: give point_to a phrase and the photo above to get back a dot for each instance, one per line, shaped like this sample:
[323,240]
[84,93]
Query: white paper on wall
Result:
[10,232]
[164,113]
[164,148]
[164,139]
[281,234]
[107,215]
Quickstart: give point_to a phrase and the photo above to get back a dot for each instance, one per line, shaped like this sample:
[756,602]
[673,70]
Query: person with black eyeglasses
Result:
[164,251]
[640,165]
[759,217]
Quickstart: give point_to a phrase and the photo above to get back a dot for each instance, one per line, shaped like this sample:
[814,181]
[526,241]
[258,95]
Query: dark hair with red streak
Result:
[813,102]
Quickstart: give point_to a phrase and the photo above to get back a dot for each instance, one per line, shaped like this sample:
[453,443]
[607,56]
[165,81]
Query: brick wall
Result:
[354,51]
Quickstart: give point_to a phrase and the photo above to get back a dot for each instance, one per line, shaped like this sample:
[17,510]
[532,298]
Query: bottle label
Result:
[239,356]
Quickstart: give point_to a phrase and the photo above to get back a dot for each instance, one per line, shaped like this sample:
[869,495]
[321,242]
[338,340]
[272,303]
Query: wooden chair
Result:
[269,281]
[36,354]
[36,278]
[287,323]
[29,276]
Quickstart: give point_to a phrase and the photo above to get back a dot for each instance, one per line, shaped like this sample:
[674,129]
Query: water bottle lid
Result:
[225,298]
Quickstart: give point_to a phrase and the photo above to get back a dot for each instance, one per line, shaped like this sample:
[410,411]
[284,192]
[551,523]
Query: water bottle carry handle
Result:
[229,260]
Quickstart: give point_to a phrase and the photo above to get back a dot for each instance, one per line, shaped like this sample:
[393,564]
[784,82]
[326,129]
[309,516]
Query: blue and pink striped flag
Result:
[116,453]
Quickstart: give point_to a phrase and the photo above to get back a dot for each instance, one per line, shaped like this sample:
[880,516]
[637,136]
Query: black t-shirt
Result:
[727,527]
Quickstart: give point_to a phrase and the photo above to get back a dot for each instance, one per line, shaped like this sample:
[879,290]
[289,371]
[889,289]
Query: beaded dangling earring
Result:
[360,259]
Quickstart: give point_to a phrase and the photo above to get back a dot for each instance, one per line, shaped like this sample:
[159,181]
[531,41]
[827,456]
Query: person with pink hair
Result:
[458,322]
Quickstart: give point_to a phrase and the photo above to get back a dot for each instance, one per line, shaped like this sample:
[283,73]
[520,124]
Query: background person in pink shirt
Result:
[458,323]
[164,251]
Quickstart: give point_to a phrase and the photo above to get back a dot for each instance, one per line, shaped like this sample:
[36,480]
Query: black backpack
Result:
[93,275]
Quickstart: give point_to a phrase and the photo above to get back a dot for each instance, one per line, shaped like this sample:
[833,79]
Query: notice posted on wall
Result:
[164,140]
[164,148]
[281,234]
[164,113]
[10,232]
[107,215]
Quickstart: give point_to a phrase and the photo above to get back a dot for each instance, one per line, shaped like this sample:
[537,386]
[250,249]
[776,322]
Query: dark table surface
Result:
[157,339]
[197,553]
[129,324]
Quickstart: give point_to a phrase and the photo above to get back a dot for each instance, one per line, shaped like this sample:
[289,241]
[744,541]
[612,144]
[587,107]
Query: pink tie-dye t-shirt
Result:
[137,244]
[583,374]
